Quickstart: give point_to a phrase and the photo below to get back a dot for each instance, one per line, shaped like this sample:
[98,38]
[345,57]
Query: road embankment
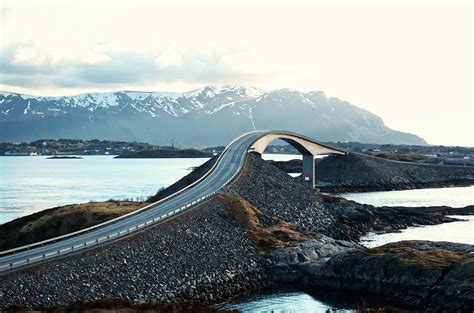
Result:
[358,172]
[265,228]
[203,254]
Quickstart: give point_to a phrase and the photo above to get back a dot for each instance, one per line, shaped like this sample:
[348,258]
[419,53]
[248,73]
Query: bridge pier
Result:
[308,169]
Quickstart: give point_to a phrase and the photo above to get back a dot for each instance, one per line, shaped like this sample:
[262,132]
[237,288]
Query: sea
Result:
[30,184]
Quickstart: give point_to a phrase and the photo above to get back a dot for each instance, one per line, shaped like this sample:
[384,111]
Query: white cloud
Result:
[95,57]
[404,60]
[28,55]
[169,58]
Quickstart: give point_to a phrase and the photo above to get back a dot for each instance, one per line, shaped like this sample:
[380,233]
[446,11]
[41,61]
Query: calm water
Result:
[31,184]
[454,197]
[280,301]
[282,157]
[463,232]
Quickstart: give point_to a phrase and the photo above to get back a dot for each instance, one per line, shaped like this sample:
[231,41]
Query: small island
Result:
[166,153]
[64,157]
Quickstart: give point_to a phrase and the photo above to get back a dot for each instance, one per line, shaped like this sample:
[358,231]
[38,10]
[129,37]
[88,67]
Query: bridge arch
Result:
[306,146]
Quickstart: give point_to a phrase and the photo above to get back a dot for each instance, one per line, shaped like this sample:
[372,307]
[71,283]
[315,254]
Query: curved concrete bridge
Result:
[225,169]
[308,147]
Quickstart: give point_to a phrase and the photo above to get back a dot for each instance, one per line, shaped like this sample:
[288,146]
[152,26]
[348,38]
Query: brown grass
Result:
[58,221]
[105,210]
[332,199]
[263,238]
[435,257]
[245,172]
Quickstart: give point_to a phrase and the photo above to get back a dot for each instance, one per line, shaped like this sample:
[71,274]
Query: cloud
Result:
[24,66]
[21,61]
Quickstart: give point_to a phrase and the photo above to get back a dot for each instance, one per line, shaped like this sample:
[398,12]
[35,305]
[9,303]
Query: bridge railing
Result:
[100,240]
[85,230]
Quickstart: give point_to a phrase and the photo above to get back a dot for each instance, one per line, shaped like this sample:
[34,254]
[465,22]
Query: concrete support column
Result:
[308,170]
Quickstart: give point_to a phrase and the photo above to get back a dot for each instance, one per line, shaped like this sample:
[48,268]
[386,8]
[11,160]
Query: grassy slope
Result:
[61,220]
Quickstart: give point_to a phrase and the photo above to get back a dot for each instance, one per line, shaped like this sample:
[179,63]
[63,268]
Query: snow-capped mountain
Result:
[206,116]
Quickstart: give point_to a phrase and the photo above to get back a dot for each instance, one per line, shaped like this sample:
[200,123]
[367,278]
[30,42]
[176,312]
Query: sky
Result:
[409,62]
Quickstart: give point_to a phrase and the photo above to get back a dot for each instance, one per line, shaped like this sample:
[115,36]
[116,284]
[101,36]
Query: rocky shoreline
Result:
[359,172]
[363,173]
[410,275]
[435,276]
[265,228]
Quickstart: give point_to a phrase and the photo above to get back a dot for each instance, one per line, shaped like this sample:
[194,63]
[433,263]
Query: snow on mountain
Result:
[193,116]
[172,103]
[141,95]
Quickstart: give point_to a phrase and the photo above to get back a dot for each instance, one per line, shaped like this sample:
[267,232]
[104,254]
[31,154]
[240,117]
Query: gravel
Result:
[206,254]
[280,197]
[203,254]
[359,172]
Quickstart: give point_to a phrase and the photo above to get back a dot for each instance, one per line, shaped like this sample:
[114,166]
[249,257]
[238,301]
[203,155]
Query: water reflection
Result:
[279,300]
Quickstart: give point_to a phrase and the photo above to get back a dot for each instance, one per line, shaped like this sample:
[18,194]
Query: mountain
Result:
[203,117]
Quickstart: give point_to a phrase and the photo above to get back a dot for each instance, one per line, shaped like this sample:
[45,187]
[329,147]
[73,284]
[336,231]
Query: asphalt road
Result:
[230,163]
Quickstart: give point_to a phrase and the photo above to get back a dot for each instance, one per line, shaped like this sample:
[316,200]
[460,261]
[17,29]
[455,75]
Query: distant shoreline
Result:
[166,153]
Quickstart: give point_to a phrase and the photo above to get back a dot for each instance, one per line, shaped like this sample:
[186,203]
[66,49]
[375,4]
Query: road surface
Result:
[229,164]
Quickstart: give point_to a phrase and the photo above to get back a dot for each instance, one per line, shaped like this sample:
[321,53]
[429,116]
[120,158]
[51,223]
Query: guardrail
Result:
[60,252]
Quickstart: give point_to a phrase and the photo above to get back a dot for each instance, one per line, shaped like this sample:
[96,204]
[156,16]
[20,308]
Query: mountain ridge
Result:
[193,116]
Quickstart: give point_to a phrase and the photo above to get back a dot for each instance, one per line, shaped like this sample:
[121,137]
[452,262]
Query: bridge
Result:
[225,169]
[306,146]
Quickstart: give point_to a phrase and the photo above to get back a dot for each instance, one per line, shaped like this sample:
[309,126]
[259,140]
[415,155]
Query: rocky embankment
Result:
[280,197]
[264,228]
[204,254]
[359,172]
